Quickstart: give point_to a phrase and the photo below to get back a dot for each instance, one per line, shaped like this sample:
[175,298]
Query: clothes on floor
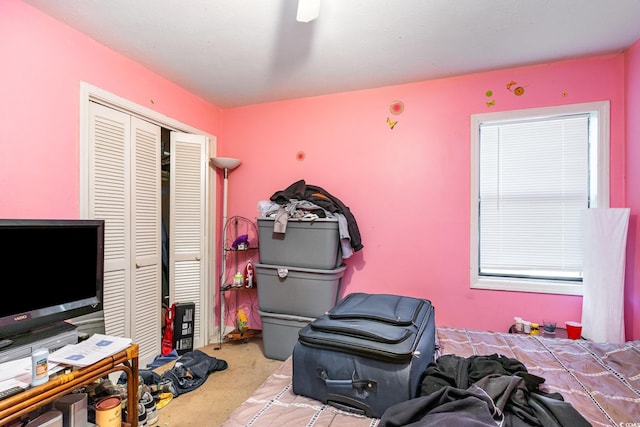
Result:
[191,370]
[160,359]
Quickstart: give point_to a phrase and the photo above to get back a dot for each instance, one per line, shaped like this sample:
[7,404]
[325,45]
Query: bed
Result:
[601,381]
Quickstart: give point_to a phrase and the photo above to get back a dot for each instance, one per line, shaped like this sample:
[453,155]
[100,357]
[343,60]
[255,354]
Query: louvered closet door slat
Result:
[109,180]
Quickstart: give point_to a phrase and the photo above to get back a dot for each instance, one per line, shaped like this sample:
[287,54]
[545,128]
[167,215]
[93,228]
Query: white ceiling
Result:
[241,52]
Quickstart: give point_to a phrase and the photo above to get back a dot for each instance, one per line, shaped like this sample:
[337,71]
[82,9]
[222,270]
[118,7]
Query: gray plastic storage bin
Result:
[280,333]
[299,291]
[306,243]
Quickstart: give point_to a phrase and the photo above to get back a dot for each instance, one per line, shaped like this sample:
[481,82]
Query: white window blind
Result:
[533,183]
[532,172]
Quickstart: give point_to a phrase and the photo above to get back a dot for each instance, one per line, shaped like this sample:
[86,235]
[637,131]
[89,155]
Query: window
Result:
[533,172]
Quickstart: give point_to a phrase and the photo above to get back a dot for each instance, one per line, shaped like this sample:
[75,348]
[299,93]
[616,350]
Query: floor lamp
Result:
[226,164]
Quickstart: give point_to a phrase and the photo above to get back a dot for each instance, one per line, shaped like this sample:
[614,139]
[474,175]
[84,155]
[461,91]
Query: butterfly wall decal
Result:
[391,123]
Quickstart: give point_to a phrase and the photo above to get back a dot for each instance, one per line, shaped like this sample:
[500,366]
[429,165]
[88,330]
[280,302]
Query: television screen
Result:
[50,270]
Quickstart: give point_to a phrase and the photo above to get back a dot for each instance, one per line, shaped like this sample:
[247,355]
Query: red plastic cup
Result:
[574,330]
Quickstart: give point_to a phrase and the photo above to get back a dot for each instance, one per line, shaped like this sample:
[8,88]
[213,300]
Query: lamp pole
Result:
[226,164]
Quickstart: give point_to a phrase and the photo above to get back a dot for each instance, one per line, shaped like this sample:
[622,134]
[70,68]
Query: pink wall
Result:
[409,187]
[43,63]
[632,183]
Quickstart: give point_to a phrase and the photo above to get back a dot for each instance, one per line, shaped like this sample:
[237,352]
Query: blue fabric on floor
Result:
[161,360]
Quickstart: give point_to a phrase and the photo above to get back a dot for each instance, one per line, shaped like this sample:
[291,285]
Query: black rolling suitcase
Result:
[367,353]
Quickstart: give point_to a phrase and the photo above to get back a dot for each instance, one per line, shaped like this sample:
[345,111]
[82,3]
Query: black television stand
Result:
[51,337]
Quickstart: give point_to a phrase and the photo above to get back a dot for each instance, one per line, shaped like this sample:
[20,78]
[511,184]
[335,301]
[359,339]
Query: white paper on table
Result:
[18,372]
[90,351]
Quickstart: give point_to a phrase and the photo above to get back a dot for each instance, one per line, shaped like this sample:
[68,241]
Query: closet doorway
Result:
[148,177]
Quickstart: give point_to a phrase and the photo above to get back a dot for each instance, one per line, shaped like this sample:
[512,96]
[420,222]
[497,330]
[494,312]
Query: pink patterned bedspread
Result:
[602,381]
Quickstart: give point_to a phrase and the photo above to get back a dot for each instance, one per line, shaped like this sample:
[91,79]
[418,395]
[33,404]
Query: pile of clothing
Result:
[491,390]
[302,201]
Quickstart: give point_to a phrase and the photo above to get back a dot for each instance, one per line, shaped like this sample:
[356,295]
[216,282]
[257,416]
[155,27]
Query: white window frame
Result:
[600,110]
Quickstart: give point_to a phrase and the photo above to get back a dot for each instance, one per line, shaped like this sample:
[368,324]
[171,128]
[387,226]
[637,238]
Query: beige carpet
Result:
[210,404]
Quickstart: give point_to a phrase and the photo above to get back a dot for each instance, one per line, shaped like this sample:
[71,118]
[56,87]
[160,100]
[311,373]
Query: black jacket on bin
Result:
[299,190]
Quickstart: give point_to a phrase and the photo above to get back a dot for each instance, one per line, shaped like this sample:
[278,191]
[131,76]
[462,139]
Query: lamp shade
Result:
[225,162]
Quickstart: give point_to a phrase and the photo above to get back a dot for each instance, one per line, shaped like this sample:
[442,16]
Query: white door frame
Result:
[88,93]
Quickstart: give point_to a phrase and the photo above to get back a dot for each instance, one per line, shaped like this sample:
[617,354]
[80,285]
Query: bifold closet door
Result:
[146,292]
[124,187]
[187,244]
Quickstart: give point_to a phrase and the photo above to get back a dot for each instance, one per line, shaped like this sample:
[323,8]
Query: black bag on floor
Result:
[367,353]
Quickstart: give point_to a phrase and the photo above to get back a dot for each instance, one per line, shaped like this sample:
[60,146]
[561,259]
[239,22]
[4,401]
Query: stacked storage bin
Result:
[298,279]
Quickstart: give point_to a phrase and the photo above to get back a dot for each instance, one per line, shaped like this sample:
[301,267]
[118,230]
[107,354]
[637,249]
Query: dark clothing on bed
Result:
[485,389]
[461,372]
[448,406]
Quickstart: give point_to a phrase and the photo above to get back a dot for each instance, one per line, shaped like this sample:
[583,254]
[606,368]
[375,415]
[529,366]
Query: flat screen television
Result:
[51,270]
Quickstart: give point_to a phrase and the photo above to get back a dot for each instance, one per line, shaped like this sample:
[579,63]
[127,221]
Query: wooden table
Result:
[14,407]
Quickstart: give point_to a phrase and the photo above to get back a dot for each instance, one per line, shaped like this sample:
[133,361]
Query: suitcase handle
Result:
[360,385]
[348,404]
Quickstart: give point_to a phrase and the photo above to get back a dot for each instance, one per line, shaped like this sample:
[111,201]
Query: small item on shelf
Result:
[249,275]
[242,321]
[109,412]
[549,327]
[535,329]
[241,243]
[519,324]
[574,330]
[238,279]
[527,327]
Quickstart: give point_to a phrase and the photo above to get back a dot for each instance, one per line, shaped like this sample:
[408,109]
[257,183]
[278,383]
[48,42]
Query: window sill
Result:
[524,285]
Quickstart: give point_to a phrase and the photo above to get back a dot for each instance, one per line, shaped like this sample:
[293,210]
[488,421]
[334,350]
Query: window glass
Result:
[533,174]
